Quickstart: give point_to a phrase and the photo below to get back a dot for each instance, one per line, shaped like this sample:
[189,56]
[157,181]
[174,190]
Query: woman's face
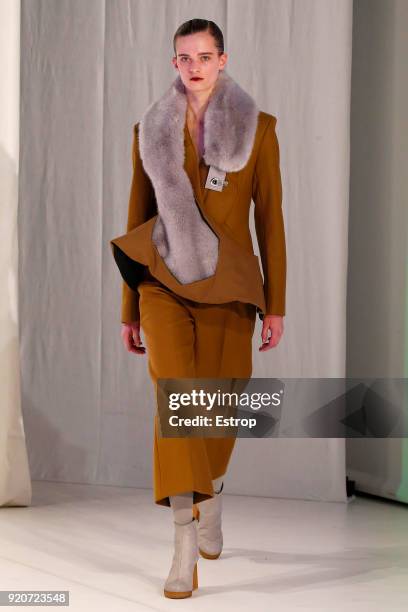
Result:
[197,56]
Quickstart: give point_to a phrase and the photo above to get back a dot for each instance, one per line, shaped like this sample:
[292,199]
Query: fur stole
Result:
[185,241]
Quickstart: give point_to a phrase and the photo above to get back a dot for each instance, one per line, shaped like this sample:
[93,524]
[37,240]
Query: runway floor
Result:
[111,548]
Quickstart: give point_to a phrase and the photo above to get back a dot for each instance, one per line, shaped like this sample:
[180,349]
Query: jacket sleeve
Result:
[142,206]
[269,224]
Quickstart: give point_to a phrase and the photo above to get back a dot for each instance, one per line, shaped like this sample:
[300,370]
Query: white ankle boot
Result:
[208,513]
[183,578]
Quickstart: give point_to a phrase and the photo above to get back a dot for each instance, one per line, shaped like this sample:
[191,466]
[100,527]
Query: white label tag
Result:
[215,179]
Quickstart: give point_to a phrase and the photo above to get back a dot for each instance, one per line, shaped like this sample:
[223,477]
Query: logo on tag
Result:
[215,179]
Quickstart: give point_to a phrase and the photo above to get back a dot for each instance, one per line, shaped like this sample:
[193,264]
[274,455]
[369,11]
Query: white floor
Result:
[111,548]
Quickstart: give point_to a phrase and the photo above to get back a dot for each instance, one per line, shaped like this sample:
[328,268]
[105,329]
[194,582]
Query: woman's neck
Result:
[195,125]
[197,103]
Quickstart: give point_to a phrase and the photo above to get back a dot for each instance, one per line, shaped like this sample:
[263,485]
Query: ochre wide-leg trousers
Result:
[188,339]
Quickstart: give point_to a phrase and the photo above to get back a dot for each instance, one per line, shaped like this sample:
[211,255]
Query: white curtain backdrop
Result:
[89,70]
[377,331]
[15,485]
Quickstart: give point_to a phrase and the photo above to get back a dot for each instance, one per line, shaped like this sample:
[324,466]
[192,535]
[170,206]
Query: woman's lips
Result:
[196,79]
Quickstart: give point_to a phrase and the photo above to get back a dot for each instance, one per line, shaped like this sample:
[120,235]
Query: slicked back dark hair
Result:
[200,25]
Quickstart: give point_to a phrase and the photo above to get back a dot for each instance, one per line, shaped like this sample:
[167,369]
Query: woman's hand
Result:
[275,324]
[131,337]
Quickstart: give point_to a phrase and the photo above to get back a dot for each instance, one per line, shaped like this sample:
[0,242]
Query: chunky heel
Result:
[195,578]
[196,512]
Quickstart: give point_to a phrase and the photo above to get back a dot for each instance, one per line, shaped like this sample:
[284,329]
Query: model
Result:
[192,282]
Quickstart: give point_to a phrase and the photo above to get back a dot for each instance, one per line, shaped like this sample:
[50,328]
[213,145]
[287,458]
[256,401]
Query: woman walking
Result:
[192,283]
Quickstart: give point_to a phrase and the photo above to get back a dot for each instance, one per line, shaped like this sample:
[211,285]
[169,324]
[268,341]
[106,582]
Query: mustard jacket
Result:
[238,275]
